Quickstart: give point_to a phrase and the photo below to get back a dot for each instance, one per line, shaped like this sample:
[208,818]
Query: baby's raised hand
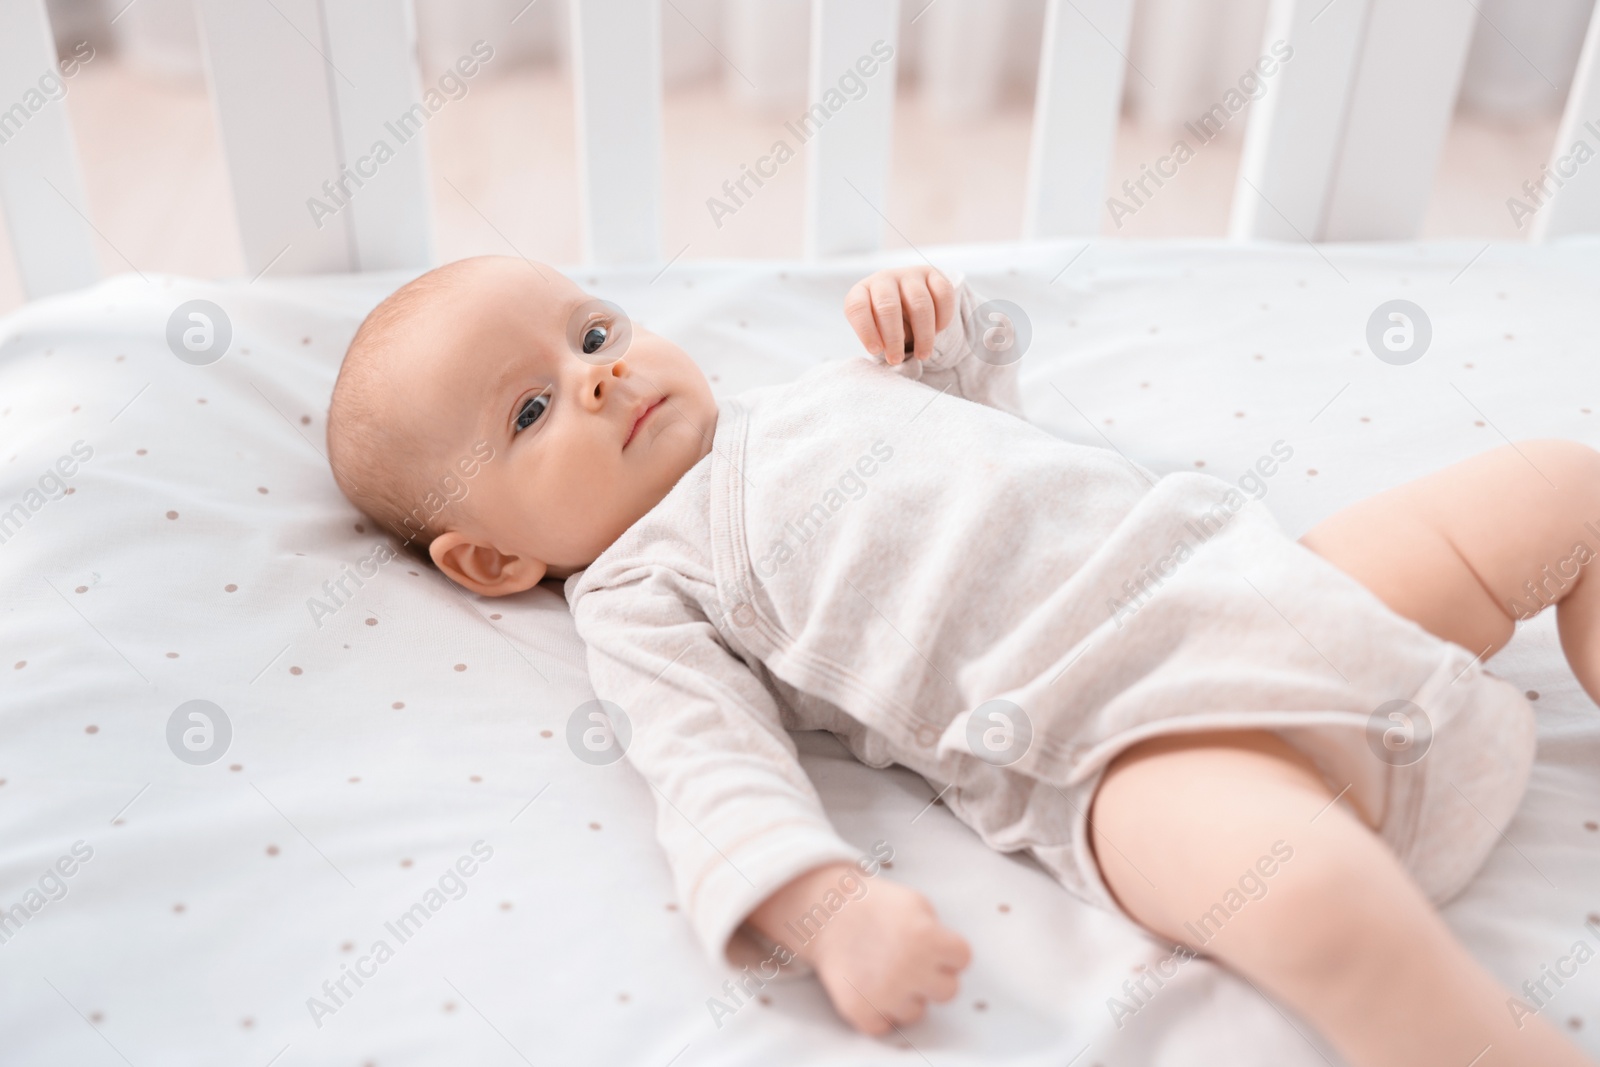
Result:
[896,312]
[881,956]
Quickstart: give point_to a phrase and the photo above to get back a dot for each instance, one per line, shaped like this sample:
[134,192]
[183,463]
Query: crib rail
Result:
[1075,115]
[41,188]
[1345,144]
[301,127]
[1567,197]
[1342,144]
[616,70]
[847,162]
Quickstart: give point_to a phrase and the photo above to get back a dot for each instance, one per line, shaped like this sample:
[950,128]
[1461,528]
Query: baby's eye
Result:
[594,338]
[535,407]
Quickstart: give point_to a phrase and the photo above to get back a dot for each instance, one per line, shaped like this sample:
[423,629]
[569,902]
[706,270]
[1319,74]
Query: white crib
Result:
[1342,146]
[372,747]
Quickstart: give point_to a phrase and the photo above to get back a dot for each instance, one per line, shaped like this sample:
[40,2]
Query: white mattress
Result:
[219,898]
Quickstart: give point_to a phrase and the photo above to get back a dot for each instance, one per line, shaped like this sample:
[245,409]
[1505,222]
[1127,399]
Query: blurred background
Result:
[503,159]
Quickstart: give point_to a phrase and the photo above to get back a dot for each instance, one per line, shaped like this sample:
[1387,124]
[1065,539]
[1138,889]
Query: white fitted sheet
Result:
[218,900]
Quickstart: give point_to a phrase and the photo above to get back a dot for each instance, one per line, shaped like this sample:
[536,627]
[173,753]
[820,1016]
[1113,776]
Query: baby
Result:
[1279,753]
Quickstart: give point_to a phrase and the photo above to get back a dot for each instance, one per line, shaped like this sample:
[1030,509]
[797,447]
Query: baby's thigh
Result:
[1232,844]
[1453,550]
[1178,820]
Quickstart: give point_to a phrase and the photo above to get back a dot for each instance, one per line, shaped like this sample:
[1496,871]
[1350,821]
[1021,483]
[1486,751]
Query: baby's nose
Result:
[615,369]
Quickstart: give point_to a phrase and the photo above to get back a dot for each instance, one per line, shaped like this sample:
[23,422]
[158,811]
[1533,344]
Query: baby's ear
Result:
[481,568]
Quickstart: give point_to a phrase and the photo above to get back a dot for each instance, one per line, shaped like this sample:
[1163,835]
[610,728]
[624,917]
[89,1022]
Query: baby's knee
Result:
[1571,466]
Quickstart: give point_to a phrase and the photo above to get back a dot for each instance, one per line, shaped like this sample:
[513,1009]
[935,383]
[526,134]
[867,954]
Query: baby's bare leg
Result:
[1468,550]
[1339,932]
[1228,843]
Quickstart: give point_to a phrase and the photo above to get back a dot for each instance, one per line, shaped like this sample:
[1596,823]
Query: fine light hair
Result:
[379,460]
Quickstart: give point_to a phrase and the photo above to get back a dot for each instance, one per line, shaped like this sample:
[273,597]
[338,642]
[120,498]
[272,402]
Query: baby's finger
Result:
[940,986]
[865,1016]
[886,312]
[944,298]
[918,304]
[869,1021]
[908,1009]
[951,950]
[858,312]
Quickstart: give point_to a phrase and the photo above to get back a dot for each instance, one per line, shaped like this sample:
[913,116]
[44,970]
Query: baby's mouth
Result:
[639,421]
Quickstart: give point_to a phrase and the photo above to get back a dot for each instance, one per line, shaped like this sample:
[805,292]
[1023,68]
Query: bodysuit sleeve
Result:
[976,355]
[735,812]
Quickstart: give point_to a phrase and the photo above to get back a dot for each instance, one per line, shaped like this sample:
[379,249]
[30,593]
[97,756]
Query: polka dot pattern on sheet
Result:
[1144,385]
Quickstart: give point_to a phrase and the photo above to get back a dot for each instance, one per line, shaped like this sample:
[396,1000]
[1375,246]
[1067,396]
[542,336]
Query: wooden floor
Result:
[505,178]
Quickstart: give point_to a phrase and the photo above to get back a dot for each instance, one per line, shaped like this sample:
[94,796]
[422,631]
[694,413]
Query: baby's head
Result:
[495,416]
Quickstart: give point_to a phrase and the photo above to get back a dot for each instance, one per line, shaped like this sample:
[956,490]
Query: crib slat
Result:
[1411,64]
[1345,144]
[51,240]
[271,89]
[381,109]
[1294,131]
[1575,207]
[846,138]
[1076,104]
[616,67]
[305,93]
[965,45]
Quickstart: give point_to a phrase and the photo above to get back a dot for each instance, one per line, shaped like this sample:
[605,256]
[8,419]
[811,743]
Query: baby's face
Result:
[590,426]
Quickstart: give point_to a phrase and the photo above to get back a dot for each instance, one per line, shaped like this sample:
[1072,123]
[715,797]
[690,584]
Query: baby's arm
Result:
[941,331]
[741,824]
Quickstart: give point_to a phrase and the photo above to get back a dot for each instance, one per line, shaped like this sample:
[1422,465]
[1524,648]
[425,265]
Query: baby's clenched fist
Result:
[885,956]
[881,957]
